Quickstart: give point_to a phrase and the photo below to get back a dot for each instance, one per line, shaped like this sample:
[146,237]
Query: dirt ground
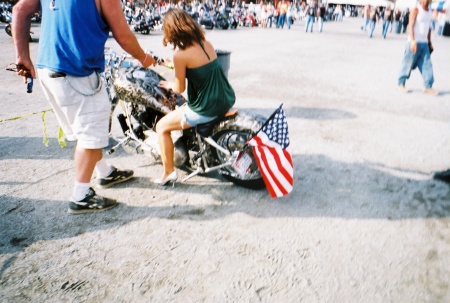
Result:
[365,222]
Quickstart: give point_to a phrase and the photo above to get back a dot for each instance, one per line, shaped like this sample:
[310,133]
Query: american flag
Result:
[274,161]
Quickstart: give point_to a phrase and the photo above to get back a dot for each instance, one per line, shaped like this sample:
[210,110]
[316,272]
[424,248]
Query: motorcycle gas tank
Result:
[141,85]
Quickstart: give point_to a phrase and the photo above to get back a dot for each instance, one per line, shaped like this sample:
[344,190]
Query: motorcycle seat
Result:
[205,129]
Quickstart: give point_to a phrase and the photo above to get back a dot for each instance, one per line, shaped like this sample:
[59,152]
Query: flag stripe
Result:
[274,161]
[281,161]
[268,159]
[279,181]
[265,174]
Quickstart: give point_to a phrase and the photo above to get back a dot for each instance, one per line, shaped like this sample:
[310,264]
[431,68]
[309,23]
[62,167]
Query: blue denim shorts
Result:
[193,119]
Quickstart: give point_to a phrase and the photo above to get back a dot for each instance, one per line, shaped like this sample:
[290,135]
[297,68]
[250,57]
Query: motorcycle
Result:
[206,21]
[221,21]
[219,145]
[6,17]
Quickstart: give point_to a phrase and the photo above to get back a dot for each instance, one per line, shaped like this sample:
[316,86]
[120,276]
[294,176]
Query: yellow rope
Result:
[45,140]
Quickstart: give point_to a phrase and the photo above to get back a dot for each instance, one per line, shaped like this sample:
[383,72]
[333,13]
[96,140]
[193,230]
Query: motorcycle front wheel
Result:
[233,137]
[8,29]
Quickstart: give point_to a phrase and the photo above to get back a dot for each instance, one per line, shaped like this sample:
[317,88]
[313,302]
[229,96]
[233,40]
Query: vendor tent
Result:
[437,4]
[363,2]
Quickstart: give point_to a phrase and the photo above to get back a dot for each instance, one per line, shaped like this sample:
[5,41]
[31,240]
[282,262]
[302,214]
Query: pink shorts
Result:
[81,105]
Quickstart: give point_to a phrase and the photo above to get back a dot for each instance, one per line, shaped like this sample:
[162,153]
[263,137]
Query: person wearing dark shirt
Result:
[209,92]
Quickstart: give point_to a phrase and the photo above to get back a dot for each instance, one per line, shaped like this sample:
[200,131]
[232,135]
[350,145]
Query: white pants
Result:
[81,106]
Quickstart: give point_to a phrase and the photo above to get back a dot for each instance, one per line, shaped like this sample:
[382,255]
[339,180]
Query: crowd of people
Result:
[282,13]
[264,14]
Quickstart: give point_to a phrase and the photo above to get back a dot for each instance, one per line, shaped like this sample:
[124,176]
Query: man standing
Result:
[71,56]
[418,48]
[387,20]
[373,20]
[282,15]
[367,10]
[311,11]
[405,20]
[320,16]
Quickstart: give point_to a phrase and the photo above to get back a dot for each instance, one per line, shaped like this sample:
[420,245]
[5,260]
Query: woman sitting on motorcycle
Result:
[209,92]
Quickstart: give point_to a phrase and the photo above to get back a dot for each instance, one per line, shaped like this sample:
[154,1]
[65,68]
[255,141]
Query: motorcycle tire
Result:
[8,30]
[233,136]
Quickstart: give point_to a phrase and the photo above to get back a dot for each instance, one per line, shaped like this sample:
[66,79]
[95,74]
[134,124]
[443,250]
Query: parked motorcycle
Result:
[6,17]
[234,20]
[219,145]
[206,21]
[221,21]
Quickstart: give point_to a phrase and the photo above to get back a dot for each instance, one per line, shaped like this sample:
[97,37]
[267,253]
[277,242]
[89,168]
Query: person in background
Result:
[387,20]
[270,10]
[210,95]
[405,20]
[262,14]
[282,16]
[69,73]
[311,11]
[289,19]
[418,48]
[367,10]
[373,20]
[397,20]
[321,16]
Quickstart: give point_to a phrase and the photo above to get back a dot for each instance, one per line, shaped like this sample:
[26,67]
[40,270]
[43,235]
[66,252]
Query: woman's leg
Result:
[171,121]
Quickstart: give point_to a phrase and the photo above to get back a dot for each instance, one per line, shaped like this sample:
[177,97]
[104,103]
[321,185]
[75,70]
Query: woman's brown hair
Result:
[181,30]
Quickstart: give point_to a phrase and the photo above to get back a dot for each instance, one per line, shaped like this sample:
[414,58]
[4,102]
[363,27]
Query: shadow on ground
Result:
[323,188]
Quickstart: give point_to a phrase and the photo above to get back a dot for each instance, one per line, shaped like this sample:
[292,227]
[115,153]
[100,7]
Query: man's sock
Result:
[80,191]
[103,169]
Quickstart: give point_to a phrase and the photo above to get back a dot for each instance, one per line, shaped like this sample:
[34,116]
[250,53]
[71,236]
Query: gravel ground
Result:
[365,222]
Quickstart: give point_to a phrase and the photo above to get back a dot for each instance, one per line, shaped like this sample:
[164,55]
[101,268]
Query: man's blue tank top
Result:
[73,37]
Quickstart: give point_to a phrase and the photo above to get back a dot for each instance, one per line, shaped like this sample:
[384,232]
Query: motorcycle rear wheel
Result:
[233,137]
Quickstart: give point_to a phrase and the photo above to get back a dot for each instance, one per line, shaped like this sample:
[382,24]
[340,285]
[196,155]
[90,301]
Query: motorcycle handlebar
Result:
[111,57]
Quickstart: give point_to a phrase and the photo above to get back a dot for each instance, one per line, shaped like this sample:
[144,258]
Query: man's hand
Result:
[25,68]
[148,61]
[413,46]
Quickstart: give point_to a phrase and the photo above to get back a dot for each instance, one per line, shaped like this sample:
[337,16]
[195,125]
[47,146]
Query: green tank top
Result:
[209,92]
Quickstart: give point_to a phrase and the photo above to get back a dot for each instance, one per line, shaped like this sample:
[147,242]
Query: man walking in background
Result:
[418,48]
[311,11]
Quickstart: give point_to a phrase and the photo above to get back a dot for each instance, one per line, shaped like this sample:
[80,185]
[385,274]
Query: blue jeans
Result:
[385,28]
[309,20]
[420,59]
[371,28]
[366,21]
[281,20]
[320,24]
[269,21]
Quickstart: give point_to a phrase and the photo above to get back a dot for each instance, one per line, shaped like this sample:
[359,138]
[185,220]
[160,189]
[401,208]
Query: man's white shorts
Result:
[81,106]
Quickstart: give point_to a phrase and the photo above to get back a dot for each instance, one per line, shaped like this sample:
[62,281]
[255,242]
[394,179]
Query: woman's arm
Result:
[179,83]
